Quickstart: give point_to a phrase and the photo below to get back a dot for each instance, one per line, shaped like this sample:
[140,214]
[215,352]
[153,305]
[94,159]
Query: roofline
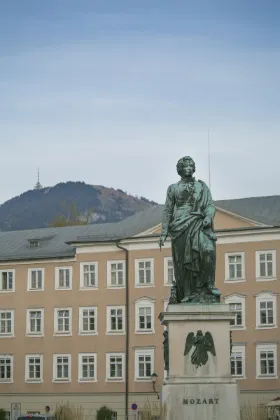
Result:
[39,257]
[146,238]
[138,237]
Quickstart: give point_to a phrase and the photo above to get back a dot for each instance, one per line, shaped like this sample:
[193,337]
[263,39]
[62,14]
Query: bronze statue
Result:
[166,350]
[202,344]
[188,220]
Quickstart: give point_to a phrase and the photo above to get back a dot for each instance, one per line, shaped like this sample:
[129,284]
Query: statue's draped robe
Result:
[193,246]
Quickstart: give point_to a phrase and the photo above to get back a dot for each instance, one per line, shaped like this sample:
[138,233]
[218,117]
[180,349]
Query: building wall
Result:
[34,395]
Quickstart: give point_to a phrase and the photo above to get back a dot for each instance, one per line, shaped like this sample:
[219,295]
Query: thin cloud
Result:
[119,109]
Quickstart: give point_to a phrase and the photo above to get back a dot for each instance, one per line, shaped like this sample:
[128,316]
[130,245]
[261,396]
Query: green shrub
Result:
[104,413]
[3,414]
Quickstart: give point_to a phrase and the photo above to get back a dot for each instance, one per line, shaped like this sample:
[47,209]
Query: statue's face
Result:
[188,168]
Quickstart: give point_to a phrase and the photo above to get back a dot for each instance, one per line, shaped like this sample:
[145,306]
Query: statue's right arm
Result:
[168,211]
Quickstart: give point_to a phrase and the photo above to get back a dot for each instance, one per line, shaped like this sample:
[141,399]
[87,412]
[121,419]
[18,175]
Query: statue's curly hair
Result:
[181,164]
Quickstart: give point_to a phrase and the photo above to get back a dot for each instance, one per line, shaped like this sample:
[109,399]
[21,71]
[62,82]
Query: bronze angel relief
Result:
[203,344]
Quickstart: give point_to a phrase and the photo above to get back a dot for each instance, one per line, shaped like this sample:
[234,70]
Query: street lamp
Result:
[154,377]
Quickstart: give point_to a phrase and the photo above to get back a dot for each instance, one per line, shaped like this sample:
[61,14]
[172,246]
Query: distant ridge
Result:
[39,207]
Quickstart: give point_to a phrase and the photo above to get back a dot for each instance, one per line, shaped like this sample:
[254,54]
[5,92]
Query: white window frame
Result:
[109,274]
[266,297]
[55,378]
[81,330]
[143,352]
[8,270]
[258,270]
[11,358]
[166,262]
[27,358]
[80,367]
[236,298]
[108,357]
[28,319]
[272,347]
[56,331]
[110,331]
[139,260]
[234,280]
[29,280]
[12,333]
[82,285]
[57,269]
[242,351]
[145,302]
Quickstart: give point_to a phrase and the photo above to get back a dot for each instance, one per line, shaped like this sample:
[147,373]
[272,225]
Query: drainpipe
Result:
[126,328]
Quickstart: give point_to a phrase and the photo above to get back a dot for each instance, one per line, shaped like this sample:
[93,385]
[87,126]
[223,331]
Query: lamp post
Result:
[154,377]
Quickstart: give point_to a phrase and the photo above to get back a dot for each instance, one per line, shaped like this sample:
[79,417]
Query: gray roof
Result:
[56,242]
[264,210]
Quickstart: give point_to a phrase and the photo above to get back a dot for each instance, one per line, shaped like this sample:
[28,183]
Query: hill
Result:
[40,207]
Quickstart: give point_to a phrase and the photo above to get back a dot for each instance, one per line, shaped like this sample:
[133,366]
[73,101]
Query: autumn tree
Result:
[71,216]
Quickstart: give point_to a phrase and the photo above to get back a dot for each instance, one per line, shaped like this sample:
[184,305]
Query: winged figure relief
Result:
[203,344]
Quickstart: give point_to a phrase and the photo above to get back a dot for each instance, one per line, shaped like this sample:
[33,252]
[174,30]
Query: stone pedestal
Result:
[207,392]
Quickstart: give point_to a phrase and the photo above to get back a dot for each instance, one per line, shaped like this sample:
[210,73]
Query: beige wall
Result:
[227,221]
[21,300]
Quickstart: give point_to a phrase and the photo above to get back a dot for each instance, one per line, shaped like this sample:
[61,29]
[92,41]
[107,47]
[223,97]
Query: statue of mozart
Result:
[188,220]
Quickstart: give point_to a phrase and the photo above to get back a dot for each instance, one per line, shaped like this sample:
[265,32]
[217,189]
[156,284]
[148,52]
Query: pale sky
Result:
[115,92]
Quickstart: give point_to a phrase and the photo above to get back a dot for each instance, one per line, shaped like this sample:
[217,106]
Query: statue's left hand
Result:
[162,240]
[207,222]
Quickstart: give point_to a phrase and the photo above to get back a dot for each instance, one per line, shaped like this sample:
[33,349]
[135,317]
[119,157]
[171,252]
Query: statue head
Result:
[185,166]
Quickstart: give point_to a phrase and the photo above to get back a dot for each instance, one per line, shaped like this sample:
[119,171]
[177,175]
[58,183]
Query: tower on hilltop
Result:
[38,185]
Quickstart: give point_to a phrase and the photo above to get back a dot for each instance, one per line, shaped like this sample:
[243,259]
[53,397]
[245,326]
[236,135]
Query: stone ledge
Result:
[191,312]
[201,380]
[201,308]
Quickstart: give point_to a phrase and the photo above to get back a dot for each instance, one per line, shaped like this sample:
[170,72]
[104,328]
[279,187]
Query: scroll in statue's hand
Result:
[207,222]
[162,240]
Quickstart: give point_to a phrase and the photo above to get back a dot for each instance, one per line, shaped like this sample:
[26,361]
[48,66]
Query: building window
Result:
[144,272]
[87,367]
[144,364]
[265,265]
[266,360]
[236,303]
[116,273]
[35,322]
[35,279]
[63,278]
[237,361]
[115,319]
[6,368]
[238,320]
[144,315]
[88,320]
[7,280]
[33,244]
[89,275]
[266,310]
[63,321]
[235,267]
[34,368]
[61,367]
[6,323]
[114,415]
[168,271]
[115,366]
